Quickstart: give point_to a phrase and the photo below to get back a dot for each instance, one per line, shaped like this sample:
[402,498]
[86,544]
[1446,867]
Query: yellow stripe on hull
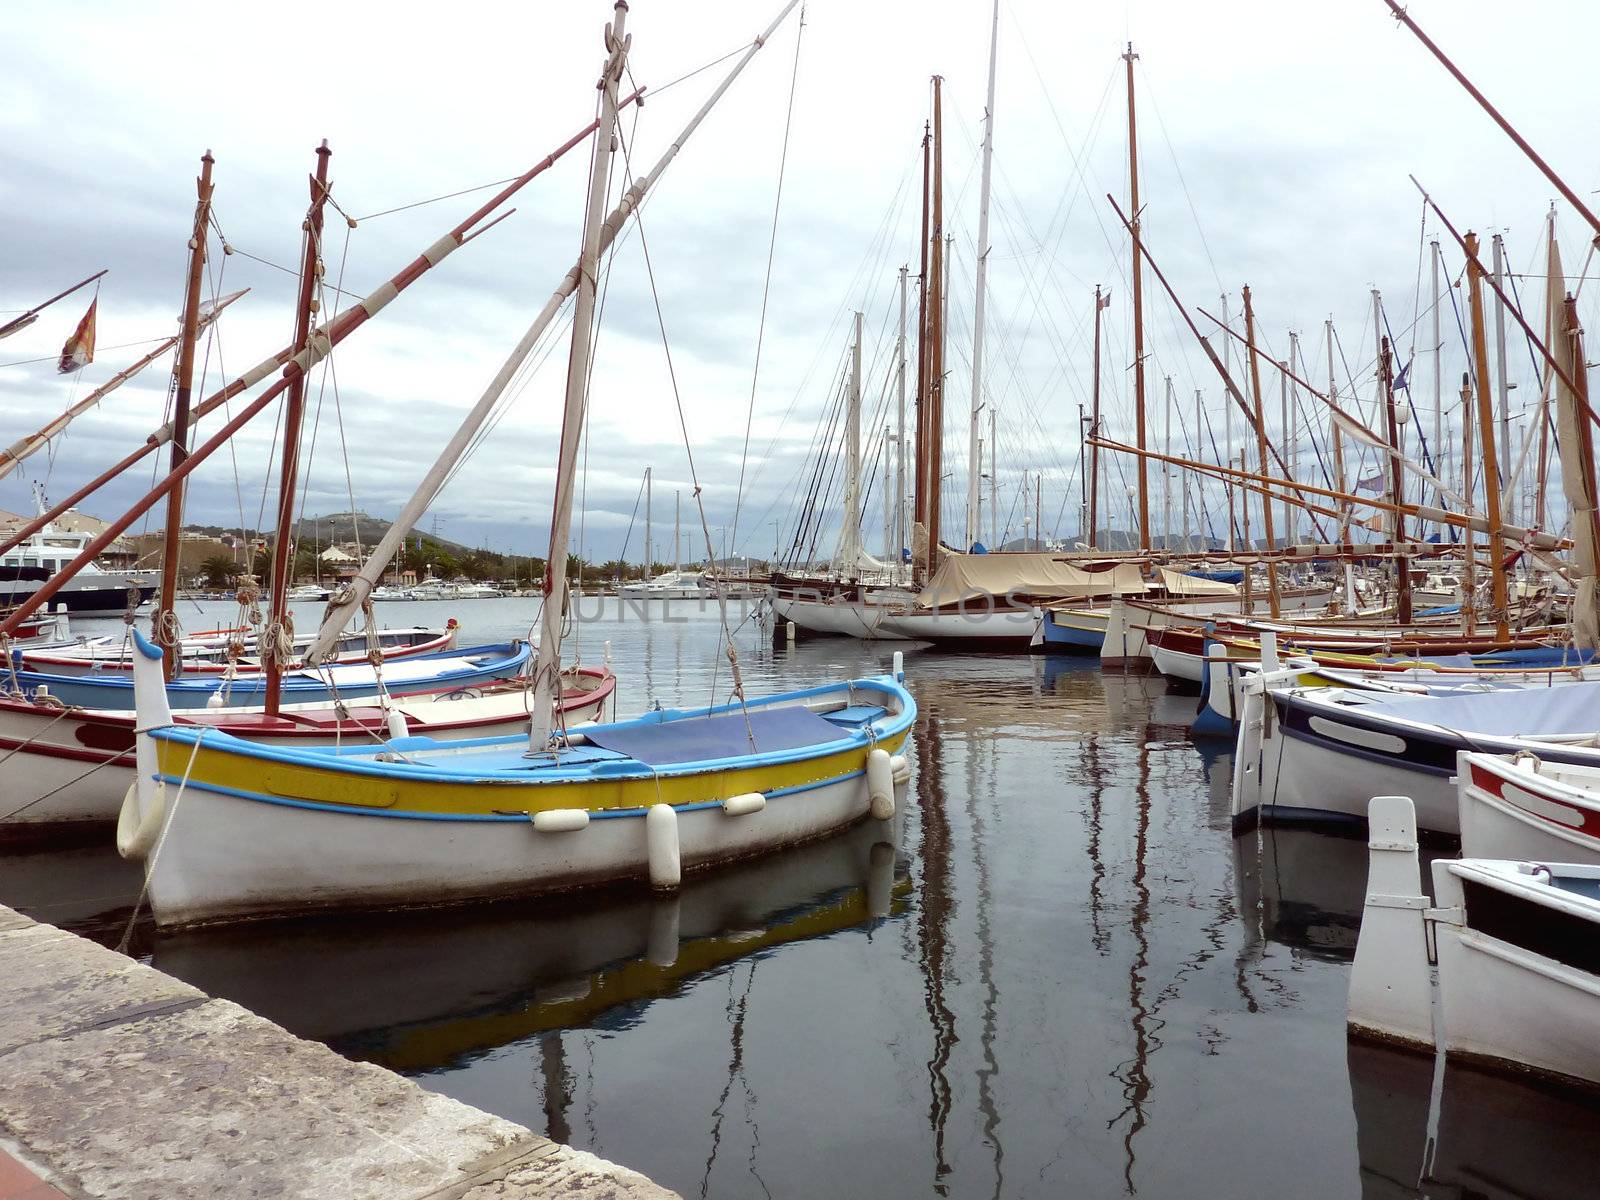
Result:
[481,796]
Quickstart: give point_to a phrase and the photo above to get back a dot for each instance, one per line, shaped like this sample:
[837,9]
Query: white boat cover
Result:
[964,577]
[1533,712]
[1179,583]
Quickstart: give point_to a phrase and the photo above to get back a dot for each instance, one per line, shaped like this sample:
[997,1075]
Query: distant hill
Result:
[343,527]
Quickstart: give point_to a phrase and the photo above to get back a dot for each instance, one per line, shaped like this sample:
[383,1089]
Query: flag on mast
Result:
[79,350]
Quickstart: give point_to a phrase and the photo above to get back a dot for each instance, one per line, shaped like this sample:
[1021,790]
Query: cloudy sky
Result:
[1275,145]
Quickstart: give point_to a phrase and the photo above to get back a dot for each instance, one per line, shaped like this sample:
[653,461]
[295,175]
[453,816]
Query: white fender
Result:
[396,721]
[137,830]
[1391,988]
[151,711]
[661,841]
[739,806]
[901,768]
[880,784]
[561,820]
[899,669]
[216,700]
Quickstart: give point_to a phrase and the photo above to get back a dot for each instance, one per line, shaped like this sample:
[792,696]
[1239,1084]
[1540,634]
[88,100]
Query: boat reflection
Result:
[423,991]
[1302,889]
[1491,1135]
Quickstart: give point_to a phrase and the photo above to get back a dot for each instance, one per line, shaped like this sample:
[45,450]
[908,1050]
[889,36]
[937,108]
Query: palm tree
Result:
[219,571]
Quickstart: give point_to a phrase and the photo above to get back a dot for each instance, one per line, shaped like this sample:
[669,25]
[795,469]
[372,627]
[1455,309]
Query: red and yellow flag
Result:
[79,350]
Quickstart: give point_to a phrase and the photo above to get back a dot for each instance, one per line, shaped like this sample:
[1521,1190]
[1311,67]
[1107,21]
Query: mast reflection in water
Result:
[1062,976]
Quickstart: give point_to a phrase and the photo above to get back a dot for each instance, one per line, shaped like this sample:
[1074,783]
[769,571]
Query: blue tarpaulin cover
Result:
[696,739]
[1525,712]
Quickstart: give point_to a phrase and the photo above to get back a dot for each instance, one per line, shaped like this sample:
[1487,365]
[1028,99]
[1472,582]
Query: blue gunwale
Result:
[361,760]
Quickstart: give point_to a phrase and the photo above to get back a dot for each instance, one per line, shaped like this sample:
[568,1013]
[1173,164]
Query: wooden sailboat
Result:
[419,822]
[67,735]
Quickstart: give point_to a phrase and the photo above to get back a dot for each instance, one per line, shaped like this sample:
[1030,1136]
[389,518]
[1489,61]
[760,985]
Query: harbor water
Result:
[1055,972]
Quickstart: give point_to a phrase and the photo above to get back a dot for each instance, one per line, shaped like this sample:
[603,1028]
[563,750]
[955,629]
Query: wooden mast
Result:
[1491,470]
[274,650]
[552,617]
[1261,446]
[919,501]
[936,300]
[1094,424]
[165,623]
[1138,306]
[1397,482]
[1469,558]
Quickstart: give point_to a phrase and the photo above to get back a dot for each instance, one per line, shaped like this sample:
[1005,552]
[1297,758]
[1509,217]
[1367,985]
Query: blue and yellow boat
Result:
[231,829]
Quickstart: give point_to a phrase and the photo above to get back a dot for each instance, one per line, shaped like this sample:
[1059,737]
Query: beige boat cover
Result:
[1576,477]
[1179,584]
[1040,576]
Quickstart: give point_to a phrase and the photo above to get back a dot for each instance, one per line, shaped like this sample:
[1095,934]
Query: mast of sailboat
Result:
[1227,409]
[980,278]
[1397,495]
[1491,472]
[994,485]
[547,672]
[936,311]
[1469,555]
[649,546]
[1554,291]
[1273,599]
[1136,216]
[677,530]
[847,563]
[277,637]
[1290,399]
[1199,402]
[165,624]
[888,496]
[1100,302]
[1502,386]
[1339,477]
[1438,378]
[1166,477]
[898,525]
[919,499]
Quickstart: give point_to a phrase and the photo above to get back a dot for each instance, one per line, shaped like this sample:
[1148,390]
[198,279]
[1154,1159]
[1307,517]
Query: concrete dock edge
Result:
[119,1081]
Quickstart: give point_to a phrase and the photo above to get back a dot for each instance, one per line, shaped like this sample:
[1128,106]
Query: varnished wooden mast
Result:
[1397,484]
[1491,470]
[919,502]
[1137,219]
[936,333]
[1261,445]
[165,625]
[293,412]
[1094,428]
[1469,558]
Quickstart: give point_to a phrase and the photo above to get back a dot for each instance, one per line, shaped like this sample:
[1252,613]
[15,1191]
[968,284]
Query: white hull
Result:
[1175,664]
[1510,810]
[839,618]
[1506,1004]
[978,624]
[1517,976]
[1288,777]
[225,857]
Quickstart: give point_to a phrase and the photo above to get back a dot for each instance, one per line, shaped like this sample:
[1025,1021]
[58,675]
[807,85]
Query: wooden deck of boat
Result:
[119,1081]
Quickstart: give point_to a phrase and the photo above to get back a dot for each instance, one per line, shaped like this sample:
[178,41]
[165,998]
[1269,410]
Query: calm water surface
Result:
[1054,973]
